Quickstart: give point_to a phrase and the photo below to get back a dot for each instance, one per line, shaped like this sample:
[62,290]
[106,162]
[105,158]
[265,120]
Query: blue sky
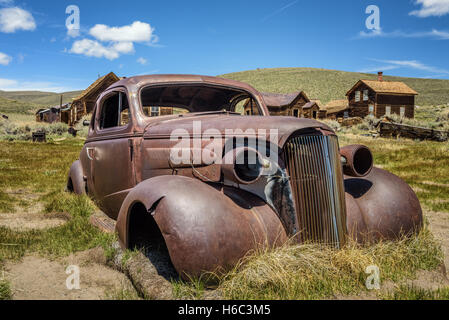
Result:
[215,37]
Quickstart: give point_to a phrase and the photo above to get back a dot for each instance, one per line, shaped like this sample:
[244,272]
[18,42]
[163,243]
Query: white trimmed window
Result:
[357,96]
[402,112]
[155,112]
[365,95]
[371,109]
[388,110]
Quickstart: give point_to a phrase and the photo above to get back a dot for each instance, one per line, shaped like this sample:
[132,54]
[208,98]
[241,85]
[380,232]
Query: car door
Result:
[111,152]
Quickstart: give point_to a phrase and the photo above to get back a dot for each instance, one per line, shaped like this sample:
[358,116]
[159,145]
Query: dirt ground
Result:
[39,278]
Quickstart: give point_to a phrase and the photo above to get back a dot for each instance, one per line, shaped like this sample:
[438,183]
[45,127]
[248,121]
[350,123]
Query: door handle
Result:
[90,153]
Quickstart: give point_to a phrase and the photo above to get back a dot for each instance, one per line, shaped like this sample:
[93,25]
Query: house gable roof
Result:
[387,87]
[110,77]
[281,100]
[336,106]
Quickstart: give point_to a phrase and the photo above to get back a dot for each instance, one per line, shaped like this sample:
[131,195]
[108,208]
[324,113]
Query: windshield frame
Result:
[240,91]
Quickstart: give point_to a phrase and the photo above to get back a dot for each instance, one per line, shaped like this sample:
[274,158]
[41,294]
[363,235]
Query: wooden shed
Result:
[293,104]
[381,98]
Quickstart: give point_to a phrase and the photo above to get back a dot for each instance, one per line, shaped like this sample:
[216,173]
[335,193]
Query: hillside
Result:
[8,106]
[44,99]
[327,85]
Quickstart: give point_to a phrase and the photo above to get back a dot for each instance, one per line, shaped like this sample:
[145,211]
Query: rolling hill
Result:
[327,85]
[322,84]
[46,99]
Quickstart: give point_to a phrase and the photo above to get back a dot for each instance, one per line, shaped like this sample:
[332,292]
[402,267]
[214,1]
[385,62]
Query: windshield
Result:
[178,99]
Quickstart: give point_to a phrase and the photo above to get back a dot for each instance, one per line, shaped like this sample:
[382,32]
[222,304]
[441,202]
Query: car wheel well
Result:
[70,185]
[144,234]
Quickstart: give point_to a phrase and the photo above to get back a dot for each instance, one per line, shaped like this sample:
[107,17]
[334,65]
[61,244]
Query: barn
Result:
[295,104]
[381,98]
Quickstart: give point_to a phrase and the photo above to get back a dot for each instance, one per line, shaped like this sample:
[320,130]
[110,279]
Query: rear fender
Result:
[205,228]
[75,180]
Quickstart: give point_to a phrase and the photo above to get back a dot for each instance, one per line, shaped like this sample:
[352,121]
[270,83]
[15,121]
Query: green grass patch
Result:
[5,290]
[76,235]
[405,292]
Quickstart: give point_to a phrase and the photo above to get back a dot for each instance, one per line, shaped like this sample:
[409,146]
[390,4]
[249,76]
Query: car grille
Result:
[314,165]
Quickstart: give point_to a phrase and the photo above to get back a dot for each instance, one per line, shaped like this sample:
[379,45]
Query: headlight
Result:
[244,165]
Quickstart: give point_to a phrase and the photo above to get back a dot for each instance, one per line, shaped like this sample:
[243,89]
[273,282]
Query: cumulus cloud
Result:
[92,48]
[430,8]
[111,42]
[142,61]
[14,19]
[7,83]
[5,59]
[136,32]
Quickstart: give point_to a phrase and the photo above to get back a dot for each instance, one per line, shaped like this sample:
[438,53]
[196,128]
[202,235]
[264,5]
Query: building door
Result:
[296,113]
[314,114]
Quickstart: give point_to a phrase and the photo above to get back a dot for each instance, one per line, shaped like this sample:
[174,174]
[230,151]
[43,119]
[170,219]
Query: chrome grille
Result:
[314,165]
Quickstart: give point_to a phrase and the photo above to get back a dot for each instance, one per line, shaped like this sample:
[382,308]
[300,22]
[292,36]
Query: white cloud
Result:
[5,59]
[376,69]
[136,32]
[430,8]
[111,42]
[93,48]
[123,47]
[434,34]
[13,19]
[142,61]
[16,85]
[7,83]
[413,64]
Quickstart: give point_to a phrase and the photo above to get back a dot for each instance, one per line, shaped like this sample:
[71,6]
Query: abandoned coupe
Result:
[244,182]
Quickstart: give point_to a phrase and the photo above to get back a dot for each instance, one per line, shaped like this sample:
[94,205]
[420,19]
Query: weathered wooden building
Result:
[294,104]
[336,109]
[84,104]
[381,98]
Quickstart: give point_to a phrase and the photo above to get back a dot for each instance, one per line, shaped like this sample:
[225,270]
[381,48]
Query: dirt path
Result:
[38,278]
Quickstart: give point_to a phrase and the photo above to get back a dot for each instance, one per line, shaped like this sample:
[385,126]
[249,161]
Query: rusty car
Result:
[210,214]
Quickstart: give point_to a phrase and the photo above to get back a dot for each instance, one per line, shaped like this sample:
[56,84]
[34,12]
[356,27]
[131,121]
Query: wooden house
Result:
[381,98]
[294,104]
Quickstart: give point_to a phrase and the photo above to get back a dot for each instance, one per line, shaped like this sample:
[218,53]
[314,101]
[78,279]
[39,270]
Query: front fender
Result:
[381,206]
[205,228]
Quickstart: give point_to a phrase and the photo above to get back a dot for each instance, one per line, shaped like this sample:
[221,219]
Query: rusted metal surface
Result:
[207,218]
[313,163]
[358,160]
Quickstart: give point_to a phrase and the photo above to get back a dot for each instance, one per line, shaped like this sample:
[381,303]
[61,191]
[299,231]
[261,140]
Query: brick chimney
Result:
[380,76]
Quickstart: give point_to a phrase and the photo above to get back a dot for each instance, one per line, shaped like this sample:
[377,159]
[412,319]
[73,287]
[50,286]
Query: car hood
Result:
[196,124]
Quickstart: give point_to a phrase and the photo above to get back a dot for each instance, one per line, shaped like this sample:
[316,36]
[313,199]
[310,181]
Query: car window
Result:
[115,111]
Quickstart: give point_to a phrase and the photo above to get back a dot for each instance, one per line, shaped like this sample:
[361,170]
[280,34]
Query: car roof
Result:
[144,80]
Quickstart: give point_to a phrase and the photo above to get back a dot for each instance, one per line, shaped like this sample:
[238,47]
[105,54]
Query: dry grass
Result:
[296,272]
